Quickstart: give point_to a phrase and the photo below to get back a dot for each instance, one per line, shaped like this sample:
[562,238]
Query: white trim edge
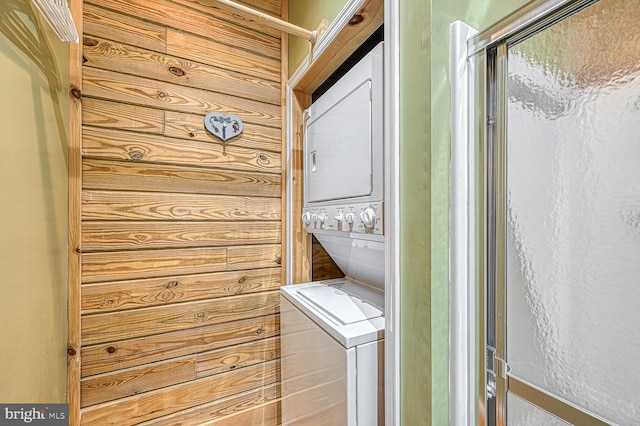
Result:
[462,269]
[392,210]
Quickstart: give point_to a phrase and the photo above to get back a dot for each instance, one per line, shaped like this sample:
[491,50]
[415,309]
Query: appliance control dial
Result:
[306,218]
[350,217]
[368,217]
[339,218]
[321,218]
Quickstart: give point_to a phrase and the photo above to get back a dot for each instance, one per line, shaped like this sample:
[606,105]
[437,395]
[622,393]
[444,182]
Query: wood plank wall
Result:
[180,233]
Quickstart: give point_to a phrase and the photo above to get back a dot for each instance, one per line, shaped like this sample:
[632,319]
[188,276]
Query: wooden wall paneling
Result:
[118,57]
[121,205]
[107,236]
[119,145]
[225,409]
[113,356]
[225,56]
[101,113]
[111,327]
[228,359]
[74,342]
[143,91]
[268,414]
[107,387]
[262,256]
[127,265]
[221,11]
[271,7]
[323,267]
[114,115]
[115,175]
[128,382]
[189,126]
[149,405]
[165,13]
[181,233]
[120,295]
[101,22]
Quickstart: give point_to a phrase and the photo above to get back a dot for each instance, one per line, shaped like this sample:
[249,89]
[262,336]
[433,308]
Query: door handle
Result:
[314,166]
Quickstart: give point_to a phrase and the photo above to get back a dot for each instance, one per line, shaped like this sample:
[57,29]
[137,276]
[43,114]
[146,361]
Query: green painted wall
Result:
[308,14]
[424,164]
[415,207]
[34,67]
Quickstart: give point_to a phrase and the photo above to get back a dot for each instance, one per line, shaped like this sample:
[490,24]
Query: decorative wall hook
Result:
[223,127]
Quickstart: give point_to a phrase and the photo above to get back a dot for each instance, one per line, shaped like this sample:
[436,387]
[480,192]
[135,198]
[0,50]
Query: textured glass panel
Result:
[573,210]
[521,413]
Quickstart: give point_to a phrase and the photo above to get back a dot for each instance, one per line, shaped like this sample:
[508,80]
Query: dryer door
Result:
[338,148]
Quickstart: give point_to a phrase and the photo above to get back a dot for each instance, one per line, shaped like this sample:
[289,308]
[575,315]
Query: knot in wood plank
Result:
[178,72]
[76,93]
[88,41]
[200,316]
[71,351]
[136,155]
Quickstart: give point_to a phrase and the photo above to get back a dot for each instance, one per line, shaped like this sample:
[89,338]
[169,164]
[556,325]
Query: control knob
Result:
[306,218]
[368,217]
[350,218]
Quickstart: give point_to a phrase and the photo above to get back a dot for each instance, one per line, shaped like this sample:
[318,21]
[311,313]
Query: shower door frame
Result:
[487,220]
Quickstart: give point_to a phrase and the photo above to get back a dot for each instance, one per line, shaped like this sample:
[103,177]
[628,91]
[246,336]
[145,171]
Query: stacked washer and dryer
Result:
[332,332]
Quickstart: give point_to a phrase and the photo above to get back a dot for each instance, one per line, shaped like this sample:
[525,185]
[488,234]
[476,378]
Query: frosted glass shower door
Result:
[572,219]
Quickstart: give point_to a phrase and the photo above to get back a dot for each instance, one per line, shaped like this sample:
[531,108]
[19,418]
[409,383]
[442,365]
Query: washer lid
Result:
[342,305]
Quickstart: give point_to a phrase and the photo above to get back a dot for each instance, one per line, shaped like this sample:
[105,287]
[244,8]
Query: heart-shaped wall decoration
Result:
[224,127]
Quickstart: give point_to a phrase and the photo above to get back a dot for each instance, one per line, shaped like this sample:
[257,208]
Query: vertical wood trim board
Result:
[284,72]
[176,236]
[74,343]
[301,240]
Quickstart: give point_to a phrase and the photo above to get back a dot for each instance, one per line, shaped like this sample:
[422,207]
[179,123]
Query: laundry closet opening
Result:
[333,306]
[322,265]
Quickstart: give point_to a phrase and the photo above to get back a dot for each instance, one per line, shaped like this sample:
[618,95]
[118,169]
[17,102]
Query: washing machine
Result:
[332,354]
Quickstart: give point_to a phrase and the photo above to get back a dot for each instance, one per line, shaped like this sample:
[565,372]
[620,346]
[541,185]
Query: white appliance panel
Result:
[370,383]
[339,151]
[318,385]
[359,258]
[325,382]
[343,147]
[338,305]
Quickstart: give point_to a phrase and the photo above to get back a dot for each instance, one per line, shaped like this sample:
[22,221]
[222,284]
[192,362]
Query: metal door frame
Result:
[486,224]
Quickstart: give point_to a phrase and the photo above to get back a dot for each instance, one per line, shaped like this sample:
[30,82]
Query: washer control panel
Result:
[365,218]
